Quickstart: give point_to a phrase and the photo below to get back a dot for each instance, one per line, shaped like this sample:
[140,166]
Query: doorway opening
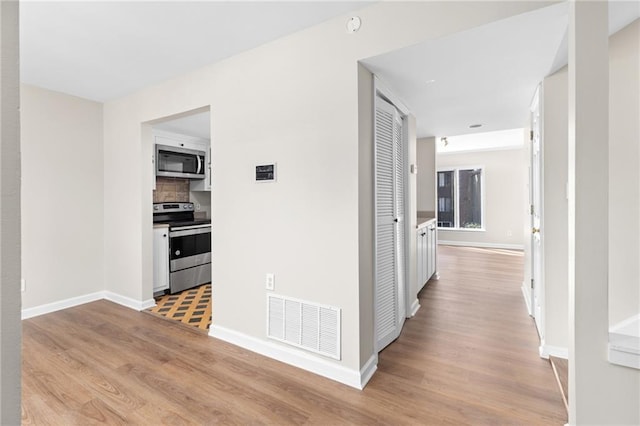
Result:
[182,231]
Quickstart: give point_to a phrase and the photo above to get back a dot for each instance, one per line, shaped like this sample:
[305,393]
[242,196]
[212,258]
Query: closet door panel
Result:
[386,268]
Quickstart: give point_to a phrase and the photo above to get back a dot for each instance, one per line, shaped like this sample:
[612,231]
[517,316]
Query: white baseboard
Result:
[555,351]
[366,372]
[414,307]
[129,302]
[297,358]
[91,297]
[482,245]
[61,304]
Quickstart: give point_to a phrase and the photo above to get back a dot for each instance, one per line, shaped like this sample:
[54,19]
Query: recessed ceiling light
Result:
[475,126]
[430,81]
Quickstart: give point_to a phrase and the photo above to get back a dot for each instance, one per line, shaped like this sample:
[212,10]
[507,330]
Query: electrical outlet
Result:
[23,285]
[270,282]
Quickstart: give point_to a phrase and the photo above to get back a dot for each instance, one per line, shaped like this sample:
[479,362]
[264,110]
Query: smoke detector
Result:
[354,24]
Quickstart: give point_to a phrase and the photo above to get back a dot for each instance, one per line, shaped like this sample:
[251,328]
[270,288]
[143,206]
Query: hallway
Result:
[470,354]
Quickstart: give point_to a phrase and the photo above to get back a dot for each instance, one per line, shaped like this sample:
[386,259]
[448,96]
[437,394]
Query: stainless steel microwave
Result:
[172,161]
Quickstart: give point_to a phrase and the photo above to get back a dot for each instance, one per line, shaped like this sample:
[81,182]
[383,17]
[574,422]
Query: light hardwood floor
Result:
[468,357]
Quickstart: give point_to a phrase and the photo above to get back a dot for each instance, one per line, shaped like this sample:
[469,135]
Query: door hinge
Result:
[531,282]
[531,135]
[531,208]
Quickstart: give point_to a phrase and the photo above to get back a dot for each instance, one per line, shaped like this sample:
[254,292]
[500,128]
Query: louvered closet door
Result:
[398,192]
[387,238]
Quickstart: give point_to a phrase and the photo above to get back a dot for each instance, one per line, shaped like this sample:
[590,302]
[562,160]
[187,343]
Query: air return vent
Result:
[309,326]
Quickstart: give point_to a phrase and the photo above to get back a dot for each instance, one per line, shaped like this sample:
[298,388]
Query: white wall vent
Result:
[306,325]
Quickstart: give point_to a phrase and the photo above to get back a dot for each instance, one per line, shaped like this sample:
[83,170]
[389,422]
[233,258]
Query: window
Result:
[460,198]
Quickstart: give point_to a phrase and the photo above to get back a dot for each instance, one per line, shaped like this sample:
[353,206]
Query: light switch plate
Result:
[270,282]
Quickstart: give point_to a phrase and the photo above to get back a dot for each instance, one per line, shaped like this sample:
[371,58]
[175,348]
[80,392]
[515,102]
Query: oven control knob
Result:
[177,252]
[156,207]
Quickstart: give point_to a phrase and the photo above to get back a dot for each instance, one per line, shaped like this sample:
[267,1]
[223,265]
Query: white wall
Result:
[366,198]
[624,174]
[503,195]
[293,101]
[624,182]
[426,162]
[616,402]
[62,196]
[599,392]
[554,227]
[9,216]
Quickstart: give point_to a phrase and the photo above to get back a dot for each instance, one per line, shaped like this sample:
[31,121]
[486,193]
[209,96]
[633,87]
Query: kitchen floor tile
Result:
[192,307]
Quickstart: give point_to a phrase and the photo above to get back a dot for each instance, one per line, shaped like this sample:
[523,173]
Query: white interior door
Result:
[389,217]
[536,207]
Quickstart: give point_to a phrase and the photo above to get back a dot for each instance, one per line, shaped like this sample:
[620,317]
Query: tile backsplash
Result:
[171,189]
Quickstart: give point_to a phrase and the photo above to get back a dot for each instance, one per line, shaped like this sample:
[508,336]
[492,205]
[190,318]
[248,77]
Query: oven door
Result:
[189,247]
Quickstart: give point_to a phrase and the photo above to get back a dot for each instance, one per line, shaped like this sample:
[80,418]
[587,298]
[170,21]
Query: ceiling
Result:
[105,50]
[197,124]
[102,50]
[500,139]
[486,75]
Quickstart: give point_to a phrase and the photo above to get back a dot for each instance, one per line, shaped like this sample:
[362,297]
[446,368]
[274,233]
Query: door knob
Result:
[535,230]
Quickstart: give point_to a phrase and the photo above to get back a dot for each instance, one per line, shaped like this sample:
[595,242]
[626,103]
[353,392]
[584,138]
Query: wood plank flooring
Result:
[468,357]
[561,371]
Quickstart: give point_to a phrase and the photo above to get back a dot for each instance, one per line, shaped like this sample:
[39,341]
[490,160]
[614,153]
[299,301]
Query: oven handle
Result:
[189,231]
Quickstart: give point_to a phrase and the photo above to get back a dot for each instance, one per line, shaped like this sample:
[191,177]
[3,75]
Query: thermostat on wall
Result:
[266,173]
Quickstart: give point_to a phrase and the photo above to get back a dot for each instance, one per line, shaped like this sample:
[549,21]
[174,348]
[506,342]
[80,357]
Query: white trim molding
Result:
[555,351]
[87,298]
[481,245]
[137,305]
[414,308]
[462,229]
[367,370]
[61,304]
[298,358]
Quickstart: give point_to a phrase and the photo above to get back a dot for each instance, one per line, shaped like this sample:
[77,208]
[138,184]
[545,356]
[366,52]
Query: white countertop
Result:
[424,221]
[624,343]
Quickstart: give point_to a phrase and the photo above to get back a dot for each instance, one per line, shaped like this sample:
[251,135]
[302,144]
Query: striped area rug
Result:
[192,307]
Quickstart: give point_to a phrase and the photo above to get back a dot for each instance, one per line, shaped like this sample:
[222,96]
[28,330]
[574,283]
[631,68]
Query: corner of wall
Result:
[10,210]
[365,212]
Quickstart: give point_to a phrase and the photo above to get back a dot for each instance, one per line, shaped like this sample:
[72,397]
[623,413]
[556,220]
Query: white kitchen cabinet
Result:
[160,258]
[421,255]
[431,249]
[426,241]
[174,139]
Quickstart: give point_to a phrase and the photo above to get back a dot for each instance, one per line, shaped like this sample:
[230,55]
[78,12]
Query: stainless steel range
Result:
[189,245]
